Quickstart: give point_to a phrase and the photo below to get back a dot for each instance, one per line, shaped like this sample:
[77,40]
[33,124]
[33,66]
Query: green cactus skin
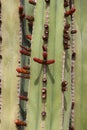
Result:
[54,72]
[81,78]
[25,60]
[34,104]
[10,52]
[67,77]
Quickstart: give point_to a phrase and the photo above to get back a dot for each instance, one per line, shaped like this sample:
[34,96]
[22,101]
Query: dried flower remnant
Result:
[29,37]
[24,52]
[30,18]
[21,70]
[27,49]
[32,2]
[73,31]
[21,9]
[20,123]
[23,98]
[23,76]
[26,67]
[70,12]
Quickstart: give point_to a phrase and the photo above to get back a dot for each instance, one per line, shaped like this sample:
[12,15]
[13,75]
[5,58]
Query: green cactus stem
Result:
[81,79]
[10,52]
[54,73]
[66,71]
[43,54]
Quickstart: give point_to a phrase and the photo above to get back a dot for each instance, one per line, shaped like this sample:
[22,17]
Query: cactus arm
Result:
[81,79]
[10,54]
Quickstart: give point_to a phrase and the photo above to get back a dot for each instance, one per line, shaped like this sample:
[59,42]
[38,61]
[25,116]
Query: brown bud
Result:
[73,55]
[43,114]
[45,38]
[44,90]
[44,80]
[46,26]
[73,104]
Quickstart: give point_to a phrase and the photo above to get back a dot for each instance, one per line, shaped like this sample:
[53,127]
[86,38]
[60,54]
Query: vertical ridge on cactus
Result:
[10,47]
[66,71]
[81,70]
[25,61]
[35,102]
[54,74]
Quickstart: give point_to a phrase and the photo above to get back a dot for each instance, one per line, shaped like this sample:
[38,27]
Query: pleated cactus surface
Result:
[43,65]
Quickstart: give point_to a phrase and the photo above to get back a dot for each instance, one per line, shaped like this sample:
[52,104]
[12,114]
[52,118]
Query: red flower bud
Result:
[21,70]
[24,77]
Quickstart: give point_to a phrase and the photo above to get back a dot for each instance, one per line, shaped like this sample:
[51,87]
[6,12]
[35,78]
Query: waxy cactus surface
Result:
[43,65]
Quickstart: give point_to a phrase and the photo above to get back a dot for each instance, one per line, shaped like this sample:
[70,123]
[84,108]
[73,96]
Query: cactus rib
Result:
[10,61]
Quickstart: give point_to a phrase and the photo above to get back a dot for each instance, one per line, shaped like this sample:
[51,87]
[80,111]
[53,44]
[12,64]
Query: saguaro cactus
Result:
[43,65]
